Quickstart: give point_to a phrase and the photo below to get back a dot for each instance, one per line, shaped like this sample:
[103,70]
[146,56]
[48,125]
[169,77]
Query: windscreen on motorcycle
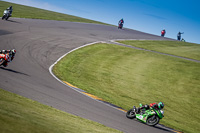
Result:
[6,11]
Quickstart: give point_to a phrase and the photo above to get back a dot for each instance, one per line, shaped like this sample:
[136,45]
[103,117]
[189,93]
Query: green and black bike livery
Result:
[150,116]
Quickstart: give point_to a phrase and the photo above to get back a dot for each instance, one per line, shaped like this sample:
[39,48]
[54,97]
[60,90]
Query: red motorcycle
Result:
[4,58]
[120,26]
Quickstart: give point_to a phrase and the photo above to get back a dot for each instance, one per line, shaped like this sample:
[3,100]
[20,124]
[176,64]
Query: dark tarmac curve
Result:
[39,43]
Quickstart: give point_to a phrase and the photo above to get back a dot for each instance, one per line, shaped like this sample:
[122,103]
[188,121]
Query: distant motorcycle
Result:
[151,116]
[4,58]
[6,14]
[120,26]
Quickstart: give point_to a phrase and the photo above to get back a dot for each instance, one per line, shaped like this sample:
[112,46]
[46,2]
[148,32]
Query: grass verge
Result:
[178,48]
[127,77]
[22,115]
[21,11]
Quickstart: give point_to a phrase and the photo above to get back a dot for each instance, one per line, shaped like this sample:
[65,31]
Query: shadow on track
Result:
[161,127]
[3,32]
[10,70]
[164,129]
[13,21]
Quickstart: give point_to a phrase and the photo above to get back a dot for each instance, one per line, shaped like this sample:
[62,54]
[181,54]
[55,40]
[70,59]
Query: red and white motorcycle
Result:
[4,58]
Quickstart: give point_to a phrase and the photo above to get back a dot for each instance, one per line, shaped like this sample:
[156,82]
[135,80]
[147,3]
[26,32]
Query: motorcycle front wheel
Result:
[1,61]
[3,17]
[131,114]
[152,120]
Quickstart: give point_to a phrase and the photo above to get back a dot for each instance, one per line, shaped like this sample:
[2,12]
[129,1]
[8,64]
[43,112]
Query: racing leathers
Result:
[11,54]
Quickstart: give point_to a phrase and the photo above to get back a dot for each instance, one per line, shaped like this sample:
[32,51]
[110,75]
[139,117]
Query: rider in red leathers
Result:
[11,56]
[163,32]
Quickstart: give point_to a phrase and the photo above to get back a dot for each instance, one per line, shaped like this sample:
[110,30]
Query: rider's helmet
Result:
[13,51]
[9,8]
[160,105]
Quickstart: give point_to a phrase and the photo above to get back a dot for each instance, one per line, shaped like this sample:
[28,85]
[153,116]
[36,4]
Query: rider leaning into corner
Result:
[10,9]
[156,106]
[11,56]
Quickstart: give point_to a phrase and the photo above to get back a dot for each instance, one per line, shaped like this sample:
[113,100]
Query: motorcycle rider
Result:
[11,55]
[121,22]
[163,33]
[10,9]
[156,106]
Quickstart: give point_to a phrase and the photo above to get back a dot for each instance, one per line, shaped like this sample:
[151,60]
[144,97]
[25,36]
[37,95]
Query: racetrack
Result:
[39,43]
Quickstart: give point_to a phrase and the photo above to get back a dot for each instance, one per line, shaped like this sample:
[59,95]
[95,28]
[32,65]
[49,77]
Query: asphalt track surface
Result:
[39,43]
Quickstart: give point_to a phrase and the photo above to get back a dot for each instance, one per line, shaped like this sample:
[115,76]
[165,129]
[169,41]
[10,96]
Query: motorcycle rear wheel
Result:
[152,120]
[7,17]
[131,114]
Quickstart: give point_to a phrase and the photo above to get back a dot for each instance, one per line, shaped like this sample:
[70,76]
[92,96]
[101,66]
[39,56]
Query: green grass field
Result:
[21,11]
[22,115]
[188,50]
[120,75]
[127,77]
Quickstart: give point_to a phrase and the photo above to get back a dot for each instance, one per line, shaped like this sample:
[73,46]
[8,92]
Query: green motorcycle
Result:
[150,116]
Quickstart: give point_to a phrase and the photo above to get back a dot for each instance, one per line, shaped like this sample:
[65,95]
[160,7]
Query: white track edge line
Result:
[51,67]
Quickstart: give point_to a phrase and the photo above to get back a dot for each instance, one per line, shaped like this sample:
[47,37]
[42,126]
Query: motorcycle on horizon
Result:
[150,116]
[120,26]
